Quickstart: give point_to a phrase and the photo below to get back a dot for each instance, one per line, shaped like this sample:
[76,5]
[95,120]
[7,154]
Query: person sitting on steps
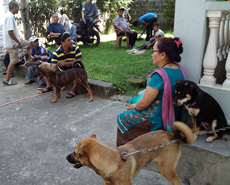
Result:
[39,54]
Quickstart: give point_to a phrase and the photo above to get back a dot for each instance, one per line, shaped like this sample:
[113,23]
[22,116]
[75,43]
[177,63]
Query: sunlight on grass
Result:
[109,64]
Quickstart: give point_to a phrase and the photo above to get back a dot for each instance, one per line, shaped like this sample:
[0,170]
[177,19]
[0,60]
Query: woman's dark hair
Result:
[172,47]
[64,36]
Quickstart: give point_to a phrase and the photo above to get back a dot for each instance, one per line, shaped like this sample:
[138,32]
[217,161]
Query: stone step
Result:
[203,163]
[99,88]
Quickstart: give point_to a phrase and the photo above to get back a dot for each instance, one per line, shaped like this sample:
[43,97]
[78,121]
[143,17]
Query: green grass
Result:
[109,64]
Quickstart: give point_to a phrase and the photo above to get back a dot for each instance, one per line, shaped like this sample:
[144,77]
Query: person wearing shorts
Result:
[11,40]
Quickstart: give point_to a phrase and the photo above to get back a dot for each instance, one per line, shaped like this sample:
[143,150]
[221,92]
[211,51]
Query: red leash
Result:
[28,97]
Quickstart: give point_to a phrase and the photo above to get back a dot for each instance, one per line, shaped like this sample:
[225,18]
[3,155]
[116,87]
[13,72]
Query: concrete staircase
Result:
[200,163]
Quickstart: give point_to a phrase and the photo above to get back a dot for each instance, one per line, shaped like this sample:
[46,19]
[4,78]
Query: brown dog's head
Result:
[80,156]
[41,71]
[185,91]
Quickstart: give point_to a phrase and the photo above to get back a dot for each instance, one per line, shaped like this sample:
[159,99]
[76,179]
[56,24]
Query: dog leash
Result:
[28,97]
[125,154]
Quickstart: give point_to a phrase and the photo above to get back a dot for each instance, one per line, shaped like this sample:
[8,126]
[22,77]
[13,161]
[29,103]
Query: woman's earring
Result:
[161,58]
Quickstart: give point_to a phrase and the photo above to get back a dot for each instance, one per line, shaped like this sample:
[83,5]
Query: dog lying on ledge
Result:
[61,79]
[107,162]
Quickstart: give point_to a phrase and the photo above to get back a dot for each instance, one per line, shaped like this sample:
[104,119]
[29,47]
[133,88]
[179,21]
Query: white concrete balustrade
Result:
[217,48]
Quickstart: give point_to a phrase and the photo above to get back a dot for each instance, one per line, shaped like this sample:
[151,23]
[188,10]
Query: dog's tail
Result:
[180,129]
[78,64]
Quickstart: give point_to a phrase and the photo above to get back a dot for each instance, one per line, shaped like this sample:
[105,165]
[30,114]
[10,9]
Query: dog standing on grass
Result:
[203,108]
[61,79]
[107,162]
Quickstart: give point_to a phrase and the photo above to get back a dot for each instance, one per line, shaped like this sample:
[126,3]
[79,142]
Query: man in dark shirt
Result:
[55,29]
[89,10]
[62,59]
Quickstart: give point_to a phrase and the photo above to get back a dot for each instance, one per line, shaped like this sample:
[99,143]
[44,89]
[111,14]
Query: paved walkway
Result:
[36,136]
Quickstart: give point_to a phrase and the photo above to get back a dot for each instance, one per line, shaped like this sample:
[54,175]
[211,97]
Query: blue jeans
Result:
[72,32]
[151,40]
[30,74]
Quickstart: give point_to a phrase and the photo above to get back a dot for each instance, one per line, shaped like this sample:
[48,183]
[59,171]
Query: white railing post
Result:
[210,57]
[226,84]
[221,39]
[225,36]
[228,31]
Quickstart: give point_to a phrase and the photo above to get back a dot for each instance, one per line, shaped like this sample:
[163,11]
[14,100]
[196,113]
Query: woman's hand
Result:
[131,106]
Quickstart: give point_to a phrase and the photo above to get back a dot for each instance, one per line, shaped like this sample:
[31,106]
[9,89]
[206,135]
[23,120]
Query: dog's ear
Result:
[93,135]
[83,151]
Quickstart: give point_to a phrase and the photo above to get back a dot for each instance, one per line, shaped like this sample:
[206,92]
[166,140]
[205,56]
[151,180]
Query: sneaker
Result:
[9,83]
[30,83]
[42,86]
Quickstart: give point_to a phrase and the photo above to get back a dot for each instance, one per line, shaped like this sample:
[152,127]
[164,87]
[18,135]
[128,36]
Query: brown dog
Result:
[61,79]
[107,161]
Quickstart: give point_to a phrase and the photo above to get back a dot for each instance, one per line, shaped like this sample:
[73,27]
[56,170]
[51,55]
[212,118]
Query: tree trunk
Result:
[25,19]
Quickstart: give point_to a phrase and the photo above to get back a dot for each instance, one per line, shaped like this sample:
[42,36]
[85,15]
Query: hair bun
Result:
[178,45]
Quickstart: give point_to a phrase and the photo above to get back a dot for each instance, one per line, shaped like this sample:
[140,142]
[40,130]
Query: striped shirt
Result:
[44,55]
[58,55]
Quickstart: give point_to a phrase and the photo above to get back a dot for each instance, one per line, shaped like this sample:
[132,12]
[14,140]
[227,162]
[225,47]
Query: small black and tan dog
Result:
[203,108]
[61,79]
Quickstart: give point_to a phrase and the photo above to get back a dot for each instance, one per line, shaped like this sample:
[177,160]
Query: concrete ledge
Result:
[203,163]
[99,88]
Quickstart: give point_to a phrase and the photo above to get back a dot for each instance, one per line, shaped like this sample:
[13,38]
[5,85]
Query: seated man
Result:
[120,23]
[149,18]
[89,10]
[55,29]
[62,59]
[38,55]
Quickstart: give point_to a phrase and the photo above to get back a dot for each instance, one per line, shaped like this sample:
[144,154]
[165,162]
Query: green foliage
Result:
[111,7]
[169,11]
[40,11]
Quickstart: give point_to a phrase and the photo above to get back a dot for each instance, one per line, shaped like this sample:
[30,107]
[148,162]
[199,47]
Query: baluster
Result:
[225,36]
[226,84]
[210,57]
[228,46]
[221,39]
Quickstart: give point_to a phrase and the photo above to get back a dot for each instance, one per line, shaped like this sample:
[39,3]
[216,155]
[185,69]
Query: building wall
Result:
[141,7]
[191,26]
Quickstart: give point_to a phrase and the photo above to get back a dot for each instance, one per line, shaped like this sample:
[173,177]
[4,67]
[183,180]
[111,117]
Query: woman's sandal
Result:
[71,94]
[48,90]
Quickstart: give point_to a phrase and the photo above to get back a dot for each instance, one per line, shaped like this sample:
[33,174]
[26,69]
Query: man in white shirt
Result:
[11,40]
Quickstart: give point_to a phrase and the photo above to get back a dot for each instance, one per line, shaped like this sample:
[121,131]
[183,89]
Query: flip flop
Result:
[71,94]
[48,90]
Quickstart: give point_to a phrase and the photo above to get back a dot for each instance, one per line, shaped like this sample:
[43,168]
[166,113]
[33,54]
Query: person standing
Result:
[39,54]
[121,25]
[89,10]
[11,40]
[147,21]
